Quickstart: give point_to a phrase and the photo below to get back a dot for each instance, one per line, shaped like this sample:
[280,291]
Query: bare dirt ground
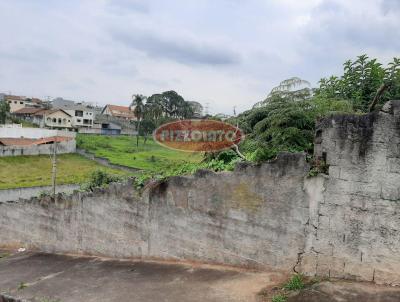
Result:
[48,277]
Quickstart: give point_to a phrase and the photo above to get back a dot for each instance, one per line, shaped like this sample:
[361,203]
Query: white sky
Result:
[224,52]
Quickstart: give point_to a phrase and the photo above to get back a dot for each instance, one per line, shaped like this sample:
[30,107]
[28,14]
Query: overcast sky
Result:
[224,52]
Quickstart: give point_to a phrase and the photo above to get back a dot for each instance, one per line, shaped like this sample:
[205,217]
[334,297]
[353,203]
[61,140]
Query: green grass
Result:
[279,298]
[122,150]
[29,171]
[295,283]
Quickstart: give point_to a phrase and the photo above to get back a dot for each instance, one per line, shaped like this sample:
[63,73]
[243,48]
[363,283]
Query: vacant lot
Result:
[28,171]
[70,279]
[122,150]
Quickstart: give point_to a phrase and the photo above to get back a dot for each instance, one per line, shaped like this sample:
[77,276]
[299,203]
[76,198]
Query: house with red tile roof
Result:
[122,112]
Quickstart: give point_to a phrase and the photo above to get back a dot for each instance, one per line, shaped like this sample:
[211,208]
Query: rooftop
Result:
[7,141]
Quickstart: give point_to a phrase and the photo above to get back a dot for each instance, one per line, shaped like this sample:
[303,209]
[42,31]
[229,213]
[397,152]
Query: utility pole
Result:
[206,108]
[54,170]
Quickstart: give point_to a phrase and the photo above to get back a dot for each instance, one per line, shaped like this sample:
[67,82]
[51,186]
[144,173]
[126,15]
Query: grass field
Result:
[122,150]
[28,171]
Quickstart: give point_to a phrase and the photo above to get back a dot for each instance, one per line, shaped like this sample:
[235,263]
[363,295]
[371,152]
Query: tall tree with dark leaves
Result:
[4,111]
[138,102]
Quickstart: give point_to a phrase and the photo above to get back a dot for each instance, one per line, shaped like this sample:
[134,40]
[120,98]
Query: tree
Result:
[138,101]
[169,104]
[293,88]
[285,120]
[146,128]
[4,111]
[197,108]
[365,83]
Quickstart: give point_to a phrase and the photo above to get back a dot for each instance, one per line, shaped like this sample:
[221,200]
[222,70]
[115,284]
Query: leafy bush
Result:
[285,121]
[295,283]
[279,298]
[99,178]
[186,169]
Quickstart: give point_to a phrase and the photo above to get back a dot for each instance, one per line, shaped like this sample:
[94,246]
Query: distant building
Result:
[82,115]
[19,102]
[122,112]
[30,114]
[104,128]
[55,119]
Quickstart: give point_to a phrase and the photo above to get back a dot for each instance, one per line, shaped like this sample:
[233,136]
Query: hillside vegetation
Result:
[123,150]
[29,171]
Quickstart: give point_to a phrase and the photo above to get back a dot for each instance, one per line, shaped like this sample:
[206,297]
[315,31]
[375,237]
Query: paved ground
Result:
[47,278]
[342,291]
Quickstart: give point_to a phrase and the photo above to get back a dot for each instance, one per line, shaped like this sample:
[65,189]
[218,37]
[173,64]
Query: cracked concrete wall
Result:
[356,221]
[253,217]
[345,224]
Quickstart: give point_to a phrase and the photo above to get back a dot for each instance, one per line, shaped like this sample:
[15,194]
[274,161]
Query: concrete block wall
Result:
[255,217]
[345,224]
[62,147]
[356,232]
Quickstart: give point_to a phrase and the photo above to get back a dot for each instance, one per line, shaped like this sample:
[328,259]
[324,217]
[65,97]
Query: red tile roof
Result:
[16,141]
[119,108]
[30,141]
[14,97]
[57,139]
[29,110]
[47,112]
[121,111]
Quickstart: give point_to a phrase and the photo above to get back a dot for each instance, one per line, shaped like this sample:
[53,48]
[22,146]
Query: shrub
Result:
[295,283]
[99,178]
[279,298]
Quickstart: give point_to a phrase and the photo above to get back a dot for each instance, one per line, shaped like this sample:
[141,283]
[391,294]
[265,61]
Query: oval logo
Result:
[198,135]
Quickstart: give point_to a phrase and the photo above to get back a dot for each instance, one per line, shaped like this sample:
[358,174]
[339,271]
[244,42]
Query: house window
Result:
[78,113]
[54,120]
[21,103]
[64,121]
[59,121]
[48,119]
[15,102]
[78,120]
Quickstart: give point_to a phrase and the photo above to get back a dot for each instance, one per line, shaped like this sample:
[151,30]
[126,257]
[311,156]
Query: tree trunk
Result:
[378,95]
[137,136]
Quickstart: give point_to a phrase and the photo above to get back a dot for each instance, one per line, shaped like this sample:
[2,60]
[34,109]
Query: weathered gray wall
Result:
[26,193]
[345,224]
[356,223]
[62,147]
[255,216]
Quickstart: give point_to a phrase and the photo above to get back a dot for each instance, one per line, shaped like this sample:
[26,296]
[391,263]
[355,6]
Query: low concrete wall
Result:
[27,193]
[34,133]
[355,224]
[62,147]
[345,224]
[255,216]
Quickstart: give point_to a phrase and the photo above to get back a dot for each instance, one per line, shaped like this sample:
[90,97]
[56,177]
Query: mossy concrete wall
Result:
[345,224]
[355,229]
[254,216]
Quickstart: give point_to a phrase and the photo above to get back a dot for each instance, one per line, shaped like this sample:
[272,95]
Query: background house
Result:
[122,112]
[82,114]
[19,102]
[30,114]
[56,119]
[103,128]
